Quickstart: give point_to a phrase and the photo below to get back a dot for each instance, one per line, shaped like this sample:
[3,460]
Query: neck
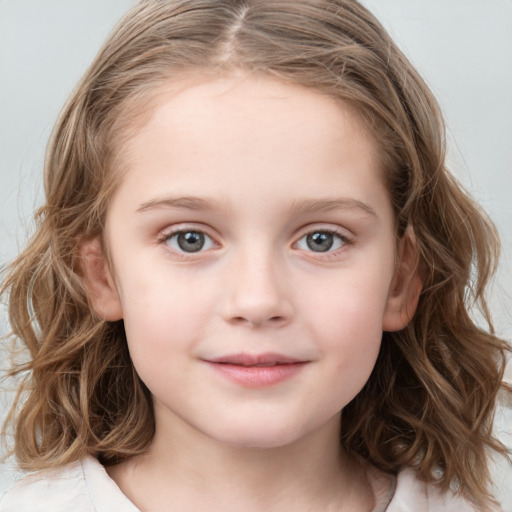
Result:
[190,471]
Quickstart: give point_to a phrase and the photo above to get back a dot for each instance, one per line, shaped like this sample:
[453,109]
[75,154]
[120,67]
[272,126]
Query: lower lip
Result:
[258,376]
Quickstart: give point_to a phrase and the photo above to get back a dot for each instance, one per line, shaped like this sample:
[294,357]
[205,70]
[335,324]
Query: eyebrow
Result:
[297,206]
[326,205]
[185,202]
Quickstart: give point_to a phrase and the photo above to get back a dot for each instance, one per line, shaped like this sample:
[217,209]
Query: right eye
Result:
[189,241]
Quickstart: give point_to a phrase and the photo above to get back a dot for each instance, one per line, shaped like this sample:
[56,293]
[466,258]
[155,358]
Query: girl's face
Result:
[253,260]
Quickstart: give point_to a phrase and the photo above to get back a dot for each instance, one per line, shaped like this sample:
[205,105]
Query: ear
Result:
[99,284]
[405,289]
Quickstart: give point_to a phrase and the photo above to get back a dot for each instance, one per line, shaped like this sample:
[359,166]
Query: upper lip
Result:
[267,359]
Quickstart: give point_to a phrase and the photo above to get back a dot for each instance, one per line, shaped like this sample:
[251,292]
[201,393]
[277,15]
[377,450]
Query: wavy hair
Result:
[430,400]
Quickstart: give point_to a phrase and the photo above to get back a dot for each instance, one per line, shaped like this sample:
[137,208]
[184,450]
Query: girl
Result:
[251,280]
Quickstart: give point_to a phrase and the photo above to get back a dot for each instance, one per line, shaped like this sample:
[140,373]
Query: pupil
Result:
[320,241]
[191,241]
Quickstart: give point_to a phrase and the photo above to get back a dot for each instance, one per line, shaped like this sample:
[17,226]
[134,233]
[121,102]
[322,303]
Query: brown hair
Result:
[429,402]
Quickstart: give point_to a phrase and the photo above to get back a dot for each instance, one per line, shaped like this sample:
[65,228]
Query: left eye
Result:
[321,241]
[189,241]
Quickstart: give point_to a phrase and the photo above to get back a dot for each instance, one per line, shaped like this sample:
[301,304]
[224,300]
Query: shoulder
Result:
[414,495]
[82,486]
[56,490]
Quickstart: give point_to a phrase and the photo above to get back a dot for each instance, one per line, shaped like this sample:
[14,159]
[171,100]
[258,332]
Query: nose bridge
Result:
[258,291]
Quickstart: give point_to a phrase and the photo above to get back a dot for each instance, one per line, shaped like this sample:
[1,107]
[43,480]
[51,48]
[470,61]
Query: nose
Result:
[257,292]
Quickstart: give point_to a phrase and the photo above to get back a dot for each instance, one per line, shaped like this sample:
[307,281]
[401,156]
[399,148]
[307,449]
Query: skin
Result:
[261,164]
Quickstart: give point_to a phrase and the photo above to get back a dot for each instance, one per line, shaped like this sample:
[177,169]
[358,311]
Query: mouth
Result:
[257,371]
[255,360]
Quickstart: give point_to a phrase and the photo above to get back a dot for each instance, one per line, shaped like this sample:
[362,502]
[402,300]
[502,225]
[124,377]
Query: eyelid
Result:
[344,233]
[187,226]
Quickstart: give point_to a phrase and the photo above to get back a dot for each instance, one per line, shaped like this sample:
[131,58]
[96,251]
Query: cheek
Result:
[345,320]
[351,343]
[161,316]
[351,307]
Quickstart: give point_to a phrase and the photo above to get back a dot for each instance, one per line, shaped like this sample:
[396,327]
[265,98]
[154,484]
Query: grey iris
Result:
[190,241]
[320,241]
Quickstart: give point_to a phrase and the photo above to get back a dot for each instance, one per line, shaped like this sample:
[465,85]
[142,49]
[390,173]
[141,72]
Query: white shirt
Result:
[85,486]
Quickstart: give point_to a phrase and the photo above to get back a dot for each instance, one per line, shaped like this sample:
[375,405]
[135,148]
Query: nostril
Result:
[256,310]
[253,321]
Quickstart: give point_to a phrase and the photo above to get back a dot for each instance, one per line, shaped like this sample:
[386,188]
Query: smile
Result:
[257,371]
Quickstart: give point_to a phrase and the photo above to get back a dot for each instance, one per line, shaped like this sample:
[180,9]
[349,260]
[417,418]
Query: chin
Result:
[264,437]
[258,443]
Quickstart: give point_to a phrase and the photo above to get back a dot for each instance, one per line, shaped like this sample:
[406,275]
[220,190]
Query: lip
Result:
[257,370]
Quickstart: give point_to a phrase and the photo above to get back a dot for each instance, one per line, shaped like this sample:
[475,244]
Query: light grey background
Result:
[462,47]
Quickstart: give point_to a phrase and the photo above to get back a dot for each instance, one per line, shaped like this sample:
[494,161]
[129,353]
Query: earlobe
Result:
[99,284]
[405,288]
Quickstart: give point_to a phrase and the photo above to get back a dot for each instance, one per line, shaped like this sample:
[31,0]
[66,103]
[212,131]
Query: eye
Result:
[189,241]
[321,241]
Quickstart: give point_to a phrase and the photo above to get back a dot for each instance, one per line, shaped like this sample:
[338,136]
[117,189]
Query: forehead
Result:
[244,105]
[238,131]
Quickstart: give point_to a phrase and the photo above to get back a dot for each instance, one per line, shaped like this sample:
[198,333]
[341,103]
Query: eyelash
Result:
[342,237]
